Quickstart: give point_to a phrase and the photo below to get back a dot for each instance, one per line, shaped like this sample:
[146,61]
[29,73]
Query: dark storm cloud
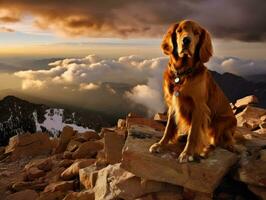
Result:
[231,19]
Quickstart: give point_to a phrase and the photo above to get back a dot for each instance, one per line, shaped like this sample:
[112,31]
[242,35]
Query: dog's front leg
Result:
[197,139]
[169,131]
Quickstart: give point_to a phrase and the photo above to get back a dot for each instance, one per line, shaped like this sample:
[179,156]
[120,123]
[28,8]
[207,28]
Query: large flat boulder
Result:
[28,145]
[203,176]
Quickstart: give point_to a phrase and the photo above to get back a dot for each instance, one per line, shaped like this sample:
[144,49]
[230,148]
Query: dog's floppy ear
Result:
[205,49]
[169,40]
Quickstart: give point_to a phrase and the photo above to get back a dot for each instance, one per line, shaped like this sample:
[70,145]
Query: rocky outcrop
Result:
[116,163]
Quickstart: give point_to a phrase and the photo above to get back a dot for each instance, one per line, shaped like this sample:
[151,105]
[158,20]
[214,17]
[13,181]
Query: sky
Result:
[94,42]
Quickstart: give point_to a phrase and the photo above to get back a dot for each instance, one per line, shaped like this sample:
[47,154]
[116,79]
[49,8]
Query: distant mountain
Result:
[236,87]
[256,78]
[19,116]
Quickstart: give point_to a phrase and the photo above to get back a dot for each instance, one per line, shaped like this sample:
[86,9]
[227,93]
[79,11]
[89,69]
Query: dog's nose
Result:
[186,41]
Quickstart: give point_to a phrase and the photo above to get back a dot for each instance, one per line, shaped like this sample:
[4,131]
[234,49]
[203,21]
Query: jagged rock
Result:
[65,163]
[160,117]
[60,186]
[88,176]
[263,118]
[57,195]
[258,191]
[203,176]
[253,172]
[162,196]
[113,145]
[33,173]
[84,195]
[263,125]
[33,185]
[28,145]
[73,145]
[89,135]
[121,123]
[54,174]
[251,99]
[87,149]
[23,195]
[73,170]
[64,139]
[67,155]
[250,117]
[113,182]
[133,121]
[263,155]
[44,164]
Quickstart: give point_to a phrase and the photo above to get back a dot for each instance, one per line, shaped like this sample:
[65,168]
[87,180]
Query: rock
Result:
[203,176]
[87,149]
[251,99]
[28,145]
[23,195]
[263,118]
[33,185]
[263,125]
[44,164]
[73,145]
[88,176]
[253,172]
[162,196]
[67,155]
[89,135]
[54,174]
[65,163]
[160,117]
[250,117]
[113,145]
[83,195]
[64,139]
[263,155]
[113,182]
[73,170]
[121,123]
[132,121]
[258,191]
[33,173]
[60,186]
[57,195]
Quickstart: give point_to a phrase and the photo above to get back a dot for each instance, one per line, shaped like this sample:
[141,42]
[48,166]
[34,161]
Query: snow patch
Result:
[54,122]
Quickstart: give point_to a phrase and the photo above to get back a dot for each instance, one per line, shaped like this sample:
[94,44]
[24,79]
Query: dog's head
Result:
[188,38]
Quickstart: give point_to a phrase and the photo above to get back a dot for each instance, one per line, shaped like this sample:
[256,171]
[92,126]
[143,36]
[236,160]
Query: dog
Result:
[197,107]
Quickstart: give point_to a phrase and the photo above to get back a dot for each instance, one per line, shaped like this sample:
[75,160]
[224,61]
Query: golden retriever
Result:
[197,107]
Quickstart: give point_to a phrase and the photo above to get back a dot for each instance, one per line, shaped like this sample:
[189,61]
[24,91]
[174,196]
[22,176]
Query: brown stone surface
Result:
[73,170]
[33,173]
[32,185]
[113,182]
[250,117]
[57,195]
[28,145]
[83,195]
[203,176]
[251,99]
[88,176]
[253,172]
[160,117]
[60,186]
[89,135]
[258,191]
[64,139]
[44,164]
[87,149]
[145,122]
[23,195]
[73,145]
[113,145]
[121,123]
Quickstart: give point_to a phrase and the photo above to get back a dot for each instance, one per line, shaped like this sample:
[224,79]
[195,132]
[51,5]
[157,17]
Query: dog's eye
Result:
[196,32]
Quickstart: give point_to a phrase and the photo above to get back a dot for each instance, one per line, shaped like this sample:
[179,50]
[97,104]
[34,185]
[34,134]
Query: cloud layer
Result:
[92,73]
[243,20]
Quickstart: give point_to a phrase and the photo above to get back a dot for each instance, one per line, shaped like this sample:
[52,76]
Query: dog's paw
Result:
[184,157]
[156,148]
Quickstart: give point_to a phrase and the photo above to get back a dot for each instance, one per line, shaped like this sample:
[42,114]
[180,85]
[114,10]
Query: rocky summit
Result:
[116,164]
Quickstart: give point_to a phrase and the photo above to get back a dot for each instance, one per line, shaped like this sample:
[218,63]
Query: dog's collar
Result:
[179,75]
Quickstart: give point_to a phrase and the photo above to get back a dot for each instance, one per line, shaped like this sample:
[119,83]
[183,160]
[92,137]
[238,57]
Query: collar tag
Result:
[177,80]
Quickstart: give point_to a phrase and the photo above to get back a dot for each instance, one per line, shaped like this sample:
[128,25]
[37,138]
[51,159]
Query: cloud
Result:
[93,73]
[6,30]
[241,67]
[118,18]
[88,86]
[32,84]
